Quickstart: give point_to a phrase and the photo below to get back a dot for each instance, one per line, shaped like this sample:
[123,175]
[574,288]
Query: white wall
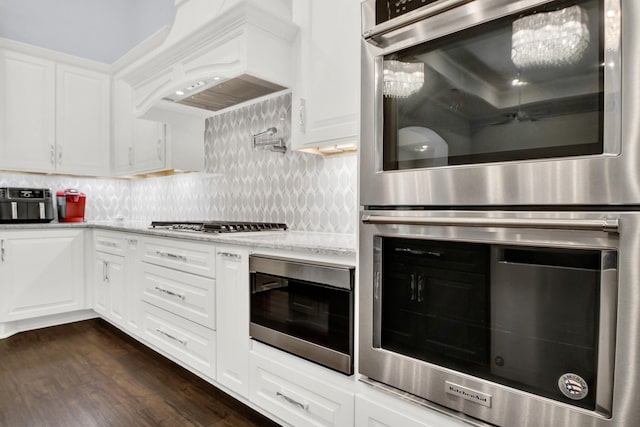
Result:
[102,30]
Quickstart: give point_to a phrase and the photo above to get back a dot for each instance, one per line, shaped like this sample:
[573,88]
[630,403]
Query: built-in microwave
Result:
[304,308]
[500,103]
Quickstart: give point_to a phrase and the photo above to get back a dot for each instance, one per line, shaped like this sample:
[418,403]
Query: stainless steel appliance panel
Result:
[611,234]
[304,308]
[608,177]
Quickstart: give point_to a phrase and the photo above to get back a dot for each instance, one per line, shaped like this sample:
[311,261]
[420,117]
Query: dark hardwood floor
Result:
[91,374]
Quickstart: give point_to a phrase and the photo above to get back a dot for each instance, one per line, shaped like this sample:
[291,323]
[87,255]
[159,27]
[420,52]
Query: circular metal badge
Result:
[573,386]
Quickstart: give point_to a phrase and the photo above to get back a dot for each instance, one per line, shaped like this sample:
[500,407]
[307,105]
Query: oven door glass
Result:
[522,87]
[526,317]
[314,313]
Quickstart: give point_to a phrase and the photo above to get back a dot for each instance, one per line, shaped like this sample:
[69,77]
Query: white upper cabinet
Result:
[149,144]
[54,117]
[161,140]
[122,127]
[326,94]
[83,121]
[27,112]
[139,145]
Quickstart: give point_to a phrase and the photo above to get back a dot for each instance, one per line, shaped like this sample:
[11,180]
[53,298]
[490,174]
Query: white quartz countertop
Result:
[310,242]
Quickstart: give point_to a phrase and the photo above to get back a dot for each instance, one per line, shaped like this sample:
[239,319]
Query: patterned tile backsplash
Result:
[307,192]
[106,198]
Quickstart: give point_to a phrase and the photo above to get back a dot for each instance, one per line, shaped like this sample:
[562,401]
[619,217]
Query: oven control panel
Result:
[389,9]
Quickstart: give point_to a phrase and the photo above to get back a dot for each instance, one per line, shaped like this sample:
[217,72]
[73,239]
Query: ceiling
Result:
[100,30]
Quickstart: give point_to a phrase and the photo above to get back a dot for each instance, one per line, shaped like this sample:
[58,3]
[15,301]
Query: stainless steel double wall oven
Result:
[500,198]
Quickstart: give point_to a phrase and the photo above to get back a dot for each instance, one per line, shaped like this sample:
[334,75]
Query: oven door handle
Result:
[374,34]
[608,225]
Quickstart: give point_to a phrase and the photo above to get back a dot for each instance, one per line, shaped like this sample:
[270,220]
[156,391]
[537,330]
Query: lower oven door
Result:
[305,309]
[504,316]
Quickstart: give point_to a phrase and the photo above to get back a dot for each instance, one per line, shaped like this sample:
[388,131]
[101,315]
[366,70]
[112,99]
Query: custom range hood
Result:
[220,93]
[217,54]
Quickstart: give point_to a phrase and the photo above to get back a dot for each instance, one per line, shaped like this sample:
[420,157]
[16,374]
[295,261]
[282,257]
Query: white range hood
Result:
[217,54]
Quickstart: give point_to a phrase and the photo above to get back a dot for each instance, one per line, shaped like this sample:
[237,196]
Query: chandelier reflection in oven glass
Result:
[551,39]
[402,79]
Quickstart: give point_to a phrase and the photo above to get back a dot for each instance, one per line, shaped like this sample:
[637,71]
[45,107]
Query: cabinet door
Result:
[41,273]
[83,121]
[110,297]
[326,92]
[27,112]
[232,319]
[122,129]
[133,288]
[148,145]
[101,297]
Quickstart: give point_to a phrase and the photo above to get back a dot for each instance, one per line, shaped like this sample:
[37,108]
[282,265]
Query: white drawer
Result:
[112,243]
[191,257]
[184,294]
[192,344]
[298,398]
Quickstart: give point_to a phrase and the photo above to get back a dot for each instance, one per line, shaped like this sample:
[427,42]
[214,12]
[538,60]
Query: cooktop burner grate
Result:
[218,226]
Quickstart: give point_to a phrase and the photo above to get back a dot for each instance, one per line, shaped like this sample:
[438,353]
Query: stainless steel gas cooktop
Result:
[218,226]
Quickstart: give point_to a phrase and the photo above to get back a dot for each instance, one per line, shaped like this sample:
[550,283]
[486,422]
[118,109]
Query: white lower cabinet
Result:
[178,300]
[109,286]
[187,341]
[377,409]
[232,313]
[179,254]
[184,294]
[41,273]
[300,397]
[115,278]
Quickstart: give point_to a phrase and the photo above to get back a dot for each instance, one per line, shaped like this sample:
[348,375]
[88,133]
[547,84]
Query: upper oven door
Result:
[496,102]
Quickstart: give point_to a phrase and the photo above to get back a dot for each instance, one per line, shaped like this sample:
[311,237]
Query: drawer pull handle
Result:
[171,337]
[172,256]
[170,293]
[110,244]
[230,255]
[303,406]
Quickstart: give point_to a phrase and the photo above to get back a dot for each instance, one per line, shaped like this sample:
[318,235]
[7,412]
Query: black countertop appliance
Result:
[24,205]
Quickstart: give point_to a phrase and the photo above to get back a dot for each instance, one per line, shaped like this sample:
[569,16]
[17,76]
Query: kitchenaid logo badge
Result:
[468,394]
[573,386]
